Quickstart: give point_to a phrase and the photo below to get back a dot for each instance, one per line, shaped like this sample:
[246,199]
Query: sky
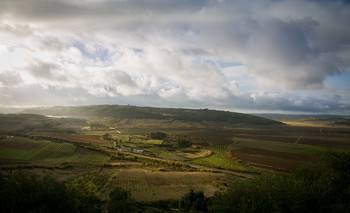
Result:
[283,56]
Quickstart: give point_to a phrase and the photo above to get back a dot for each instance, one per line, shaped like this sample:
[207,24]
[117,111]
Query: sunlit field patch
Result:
[220,158]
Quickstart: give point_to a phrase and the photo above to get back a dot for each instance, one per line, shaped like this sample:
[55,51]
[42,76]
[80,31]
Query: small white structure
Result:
[140,151]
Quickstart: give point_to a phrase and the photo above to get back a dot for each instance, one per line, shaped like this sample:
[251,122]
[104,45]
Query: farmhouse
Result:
[140,151]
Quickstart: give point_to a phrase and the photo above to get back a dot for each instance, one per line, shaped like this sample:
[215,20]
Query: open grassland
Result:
[20,148]
[221,158]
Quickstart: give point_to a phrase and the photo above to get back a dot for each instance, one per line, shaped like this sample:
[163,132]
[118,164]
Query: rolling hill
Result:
[135,112]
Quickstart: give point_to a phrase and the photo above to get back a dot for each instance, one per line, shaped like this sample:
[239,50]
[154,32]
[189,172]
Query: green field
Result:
[20,148]
[220,158]
[93,182]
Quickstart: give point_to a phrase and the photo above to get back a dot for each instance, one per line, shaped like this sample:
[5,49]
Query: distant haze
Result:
[247,56]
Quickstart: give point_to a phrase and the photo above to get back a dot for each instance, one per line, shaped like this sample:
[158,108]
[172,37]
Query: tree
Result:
[182,142]
[157,135]
[28,192]
[322,187]
[106,137]
[194,202]
[97,125]
[120,201]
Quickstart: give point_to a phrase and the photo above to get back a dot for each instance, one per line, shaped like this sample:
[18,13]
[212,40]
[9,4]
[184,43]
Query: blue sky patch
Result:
[341,81]
[99,54]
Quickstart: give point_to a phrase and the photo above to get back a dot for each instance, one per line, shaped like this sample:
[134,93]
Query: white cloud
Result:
[10,79]
[172,51]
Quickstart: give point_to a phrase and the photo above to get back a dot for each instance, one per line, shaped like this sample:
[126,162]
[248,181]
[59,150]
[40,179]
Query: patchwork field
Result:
[100,153]
[20,148]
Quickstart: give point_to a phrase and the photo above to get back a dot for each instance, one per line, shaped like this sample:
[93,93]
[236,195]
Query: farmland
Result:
[273,147]
[20,148]
[94,152]
[221,158]
[145,184]
[147,179]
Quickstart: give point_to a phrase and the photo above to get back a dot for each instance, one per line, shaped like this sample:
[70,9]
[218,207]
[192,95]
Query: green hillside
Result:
[134,112]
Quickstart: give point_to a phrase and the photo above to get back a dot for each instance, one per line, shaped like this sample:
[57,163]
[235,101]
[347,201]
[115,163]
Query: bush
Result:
[182,142]
[157,135]
[193,202]
[324,187]
[120,201]
[106,137]
[97,125]
[28,192]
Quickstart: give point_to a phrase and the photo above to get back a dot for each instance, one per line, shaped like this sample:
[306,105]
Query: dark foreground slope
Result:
[323,187]
[134,112]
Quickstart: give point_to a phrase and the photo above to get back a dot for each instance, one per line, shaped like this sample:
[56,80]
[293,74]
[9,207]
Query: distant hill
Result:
[330,120]
[280,117]
[10,110]
[31,122]
[12,122]
[135,112]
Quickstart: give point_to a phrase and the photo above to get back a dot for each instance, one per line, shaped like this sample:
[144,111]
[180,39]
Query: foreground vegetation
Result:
[311,188]
[324,187]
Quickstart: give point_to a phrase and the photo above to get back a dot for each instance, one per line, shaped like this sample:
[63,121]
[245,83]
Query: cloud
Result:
[47,71]
[228,54]
[10,79]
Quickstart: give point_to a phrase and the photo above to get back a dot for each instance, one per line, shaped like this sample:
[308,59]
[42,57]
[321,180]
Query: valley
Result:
[159,155]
